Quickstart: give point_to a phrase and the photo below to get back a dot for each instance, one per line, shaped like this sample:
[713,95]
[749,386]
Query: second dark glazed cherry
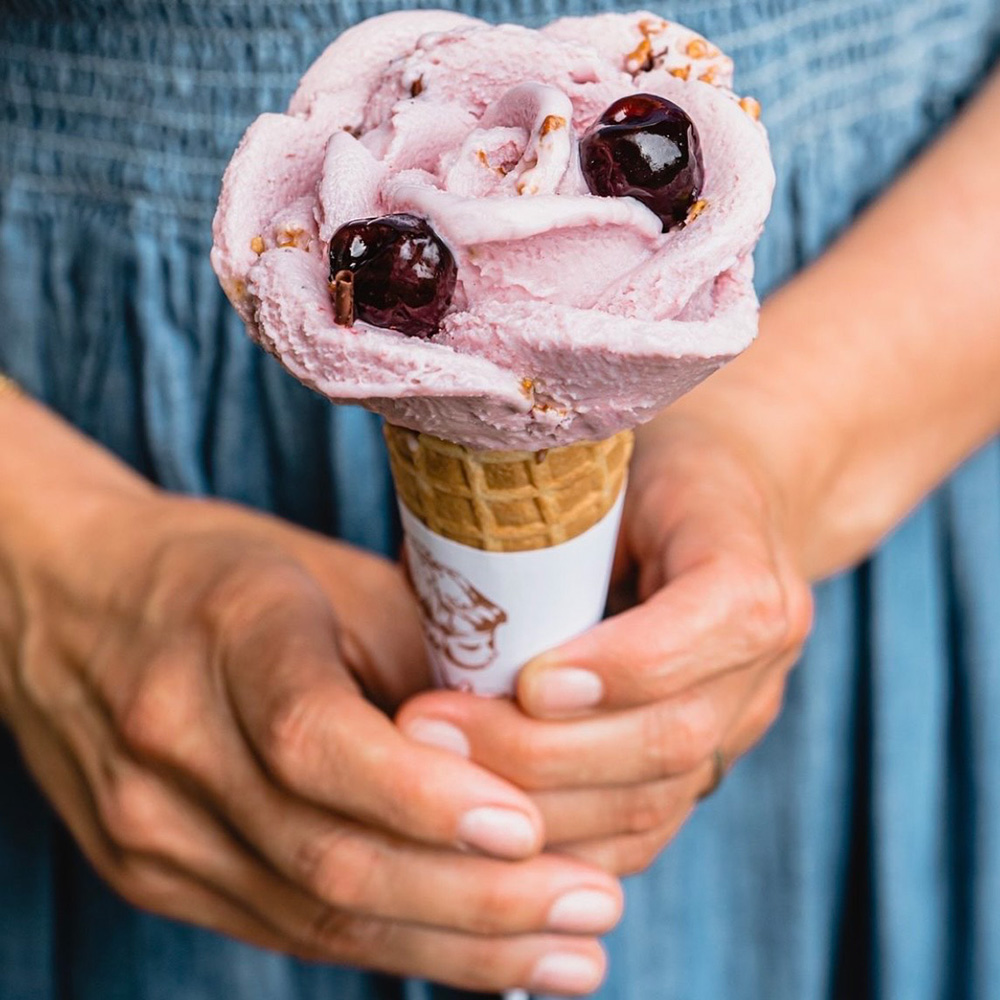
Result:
[645,147]
[404,274]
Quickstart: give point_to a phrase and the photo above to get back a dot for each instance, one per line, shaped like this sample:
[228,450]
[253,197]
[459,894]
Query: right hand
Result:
[185,680]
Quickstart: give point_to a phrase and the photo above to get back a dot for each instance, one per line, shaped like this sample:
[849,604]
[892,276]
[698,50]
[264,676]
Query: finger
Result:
[161,889]
[350,868]
[658,810]
[283,678]
[612,810]
[715,618]
[558,965]
[147,818]
[627,854]
[266,656]
[623,829]
[661,740]
[542,964]
[325,863]
[316,737]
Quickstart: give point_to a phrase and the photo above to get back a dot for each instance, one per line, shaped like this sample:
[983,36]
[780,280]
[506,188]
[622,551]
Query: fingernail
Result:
[443,735]
[504,833]
[565,972]
[583,911]
[566,689]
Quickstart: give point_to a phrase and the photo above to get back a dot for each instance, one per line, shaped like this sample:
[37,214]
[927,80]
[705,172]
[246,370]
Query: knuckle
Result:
[495,907]
[769,706]
[130,883]
[262,585]
[33,676]
[644,808]
[338,869]
[635,854]
[801,609]
[483,965]
[350,938]
[329,931]
[536,764]
[153,721]
[679,740]
[143,887]
[761,611]
[290,733]
[131,812]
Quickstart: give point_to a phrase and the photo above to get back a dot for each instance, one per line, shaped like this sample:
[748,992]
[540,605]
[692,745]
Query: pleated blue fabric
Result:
[856,852]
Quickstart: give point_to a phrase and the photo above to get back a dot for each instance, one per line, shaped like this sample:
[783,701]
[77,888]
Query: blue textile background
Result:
[856,852]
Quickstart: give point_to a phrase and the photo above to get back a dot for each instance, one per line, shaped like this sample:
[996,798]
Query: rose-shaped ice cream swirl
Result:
[574,315]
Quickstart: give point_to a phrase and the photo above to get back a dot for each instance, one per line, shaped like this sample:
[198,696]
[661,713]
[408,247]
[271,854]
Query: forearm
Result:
[878,368]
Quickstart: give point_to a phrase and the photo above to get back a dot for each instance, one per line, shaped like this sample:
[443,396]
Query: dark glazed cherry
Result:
[404,275]
[645,147]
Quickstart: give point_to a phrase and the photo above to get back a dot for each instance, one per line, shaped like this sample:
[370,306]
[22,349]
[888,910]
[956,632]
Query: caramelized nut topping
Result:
[751,106]
[257,245]
[697,48]
[417,87]
[682,72]
[551,123]
[290,237]
[502,170]
[651,26]
[708,76]
[640,59]
[696,209]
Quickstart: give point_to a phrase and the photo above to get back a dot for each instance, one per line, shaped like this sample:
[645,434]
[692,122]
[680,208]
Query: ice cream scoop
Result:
[573,315]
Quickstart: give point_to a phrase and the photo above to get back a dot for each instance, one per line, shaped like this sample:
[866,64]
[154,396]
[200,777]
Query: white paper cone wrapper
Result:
[487,613]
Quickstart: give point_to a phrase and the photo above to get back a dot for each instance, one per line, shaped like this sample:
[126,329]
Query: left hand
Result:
[616,733]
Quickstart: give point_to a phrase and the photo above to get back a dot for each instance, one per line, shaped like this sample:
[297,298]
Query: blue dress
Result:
[856,852]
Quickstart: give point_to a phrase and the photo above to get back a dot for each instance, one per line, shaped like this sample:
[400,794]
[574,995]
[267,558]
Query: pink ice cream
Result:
[574,316]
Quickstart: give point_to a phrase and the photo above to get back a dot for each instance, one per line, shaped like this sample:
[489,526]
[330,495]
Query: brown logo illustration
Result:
[460,621]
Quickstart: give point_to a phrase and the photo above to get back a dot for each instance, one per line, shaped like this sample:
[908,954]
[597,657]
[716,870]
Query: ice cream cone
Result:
[509,552]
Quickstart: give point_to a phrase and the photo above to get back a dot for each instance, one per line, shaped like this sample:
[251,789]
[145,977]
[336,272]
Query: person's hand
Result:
[618,733]
[189,691]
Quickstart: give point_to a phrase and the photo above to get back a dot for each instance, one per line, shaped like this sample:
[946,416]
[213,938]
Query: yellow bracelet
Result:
[8,387]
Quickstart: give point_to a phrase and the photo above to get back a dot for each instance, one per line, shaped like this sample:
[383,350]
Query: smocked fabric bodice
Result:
[118,120]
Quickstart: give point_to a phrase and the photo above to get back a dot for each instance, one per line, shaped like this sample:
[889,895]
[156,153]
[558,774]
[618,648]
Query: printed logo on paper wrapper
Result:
[459,620]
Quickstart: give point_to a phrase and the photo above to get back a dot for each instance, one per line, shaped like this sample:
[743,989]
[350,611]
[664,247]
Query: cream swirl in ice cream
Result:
[574,316]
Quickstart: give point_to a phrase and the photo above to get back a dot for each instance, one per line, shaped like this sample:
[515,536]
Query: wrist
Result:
[786,435]
[59,494]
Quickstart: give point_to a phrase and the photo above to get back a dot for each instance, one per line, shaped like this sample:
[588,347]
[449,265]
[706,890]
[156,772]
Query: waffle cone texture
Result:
[507,501]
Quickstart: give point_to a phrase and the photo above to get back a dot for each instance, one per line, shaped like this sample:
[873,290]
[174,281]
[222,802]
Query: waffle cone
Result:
[507,501]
